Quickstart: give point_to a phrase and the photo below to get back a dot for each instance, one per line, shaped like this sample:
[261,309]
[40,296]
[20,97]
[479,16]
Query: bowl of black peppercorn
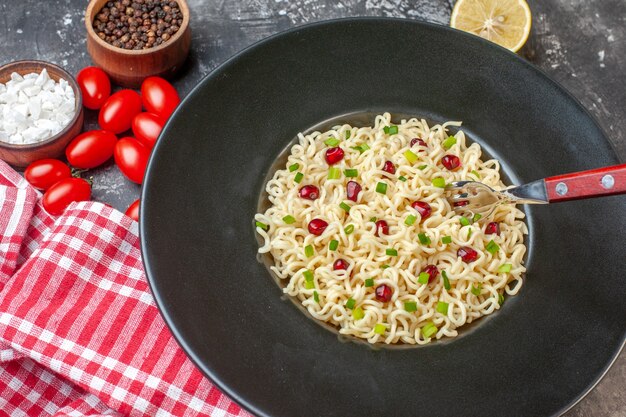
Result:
[134,39]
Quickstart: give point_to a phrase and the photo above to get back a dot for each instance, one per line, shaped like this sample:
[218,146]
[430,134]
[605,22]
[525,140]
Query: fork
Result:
[473,197]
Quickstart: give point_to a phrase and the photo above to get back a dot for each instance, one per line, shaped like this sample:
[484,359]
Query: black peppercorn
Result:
[138,24]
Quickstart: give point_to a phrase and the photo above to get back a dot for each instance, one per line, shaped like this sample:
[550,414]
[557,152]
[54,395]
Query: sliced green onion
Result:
[333,245]
[351,173]
[391,252]
[309,251]
[449,142]
[446,240]
[442,308]
[469,233]
[402,178]
[309,285]
[344,206]
[308,275]
[446,281]
[424,240]
[410,219]
[410,156]
[294,167]
[429,329]
[316,297]
[261,225]
[492,247]
[384,266]
[380,329]
[439,182]
[369,282]
[373,219]
[381,188]
[423,278]
[361,148]
[332,142]
[350,303]
[358,313]
[422,167]
[476,290]
[504,268]
[349,229]
[476,218]
[410,306]
[334,173]
[348,134]
[464,221]
[298,177]
[289,219]
[475,173]
[500,299]
[390,130]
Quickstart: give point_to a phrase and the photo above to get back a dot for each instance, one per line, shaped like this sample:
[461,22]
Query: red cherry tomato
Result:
[90,149]
[95,86]
[44,173]
[159,96]
[131,157]
[117,113]
[147,127]
[64,192]
[133,211]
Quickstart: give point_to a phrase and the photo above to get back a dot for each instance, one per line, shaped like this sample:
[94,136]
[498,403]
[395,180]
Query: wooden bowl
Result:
[129,68]
[22,155]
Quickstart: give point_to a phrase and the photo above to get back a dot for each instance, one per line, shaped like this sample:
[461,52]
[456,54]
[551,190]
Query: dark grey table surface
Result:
[580,43]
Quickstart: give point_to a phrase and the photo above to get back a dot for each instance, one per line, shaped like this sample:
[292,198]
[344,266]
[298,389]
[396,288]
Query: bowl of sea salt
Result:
[41,111]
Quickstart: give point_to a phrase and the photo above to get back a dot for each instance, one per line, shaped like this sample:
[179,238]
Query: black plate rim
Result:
[159,299]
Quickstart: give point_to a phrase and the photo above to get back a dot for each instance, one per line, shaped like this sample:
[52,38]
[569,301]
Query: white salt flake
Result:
[34,107]
[33,90]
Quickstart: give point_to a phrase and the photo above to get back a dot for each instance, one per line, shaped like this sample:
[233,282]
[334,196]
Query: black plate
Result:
[536,357]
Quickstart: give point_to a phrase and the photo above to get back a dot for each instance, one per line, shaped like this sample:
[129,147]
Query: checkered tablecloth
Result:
[80,334]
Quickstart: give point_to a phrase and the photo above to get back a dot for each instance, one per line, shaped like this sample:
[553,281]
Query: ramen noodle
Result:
[361,233]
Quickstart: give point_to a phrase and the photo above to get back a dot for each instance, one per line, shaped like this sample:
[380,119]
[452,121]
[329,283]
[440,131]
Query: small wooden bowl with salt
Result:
[34,146]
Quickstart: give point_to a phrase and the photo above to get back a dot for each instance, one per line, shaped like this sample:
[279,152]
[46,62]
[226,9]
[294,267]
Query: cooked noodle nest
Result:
[341,297]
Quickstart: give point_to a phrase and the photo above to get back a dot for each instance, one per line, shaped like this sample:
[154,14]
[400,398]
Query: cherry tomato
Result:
[64,192]
[131,157]
[159,96]
[133,211]
[147,127]
[118,111]
[90,149]
[95,86]
[44,173]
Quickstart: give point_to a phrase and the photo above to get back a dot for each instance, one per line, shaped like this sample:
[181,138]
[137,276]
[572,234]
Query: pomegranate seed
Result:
[382,227]
[451,162]
[423,209]
[460,203]
[317,226]
[467,254]
[383,293]
[352,190]
[310,192]
[419,142]
[340,264]
[493,228]
[389,167]
[432,272]
[334,155]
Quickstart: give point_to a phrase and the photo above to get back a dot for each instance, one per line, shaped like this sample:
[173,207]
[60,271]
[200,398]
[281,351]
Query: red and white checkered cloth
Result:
[80,334]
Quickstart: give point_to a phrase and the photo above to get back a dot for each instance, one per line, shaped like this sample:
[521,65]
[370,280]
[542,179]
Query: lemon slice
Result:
[505,22]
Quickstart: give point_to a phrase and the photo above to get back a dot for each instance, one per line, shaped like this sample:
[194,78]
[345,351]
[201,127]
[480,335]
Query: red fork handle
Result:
[587,184]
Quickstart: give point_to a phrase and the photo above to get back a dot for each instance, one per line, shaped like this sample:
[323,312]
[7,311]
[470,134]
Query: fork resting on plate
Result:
[474,197]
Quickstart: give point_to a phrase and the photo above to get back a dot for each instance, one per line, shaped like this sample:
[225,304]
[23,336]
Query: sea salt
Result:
[34,107]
